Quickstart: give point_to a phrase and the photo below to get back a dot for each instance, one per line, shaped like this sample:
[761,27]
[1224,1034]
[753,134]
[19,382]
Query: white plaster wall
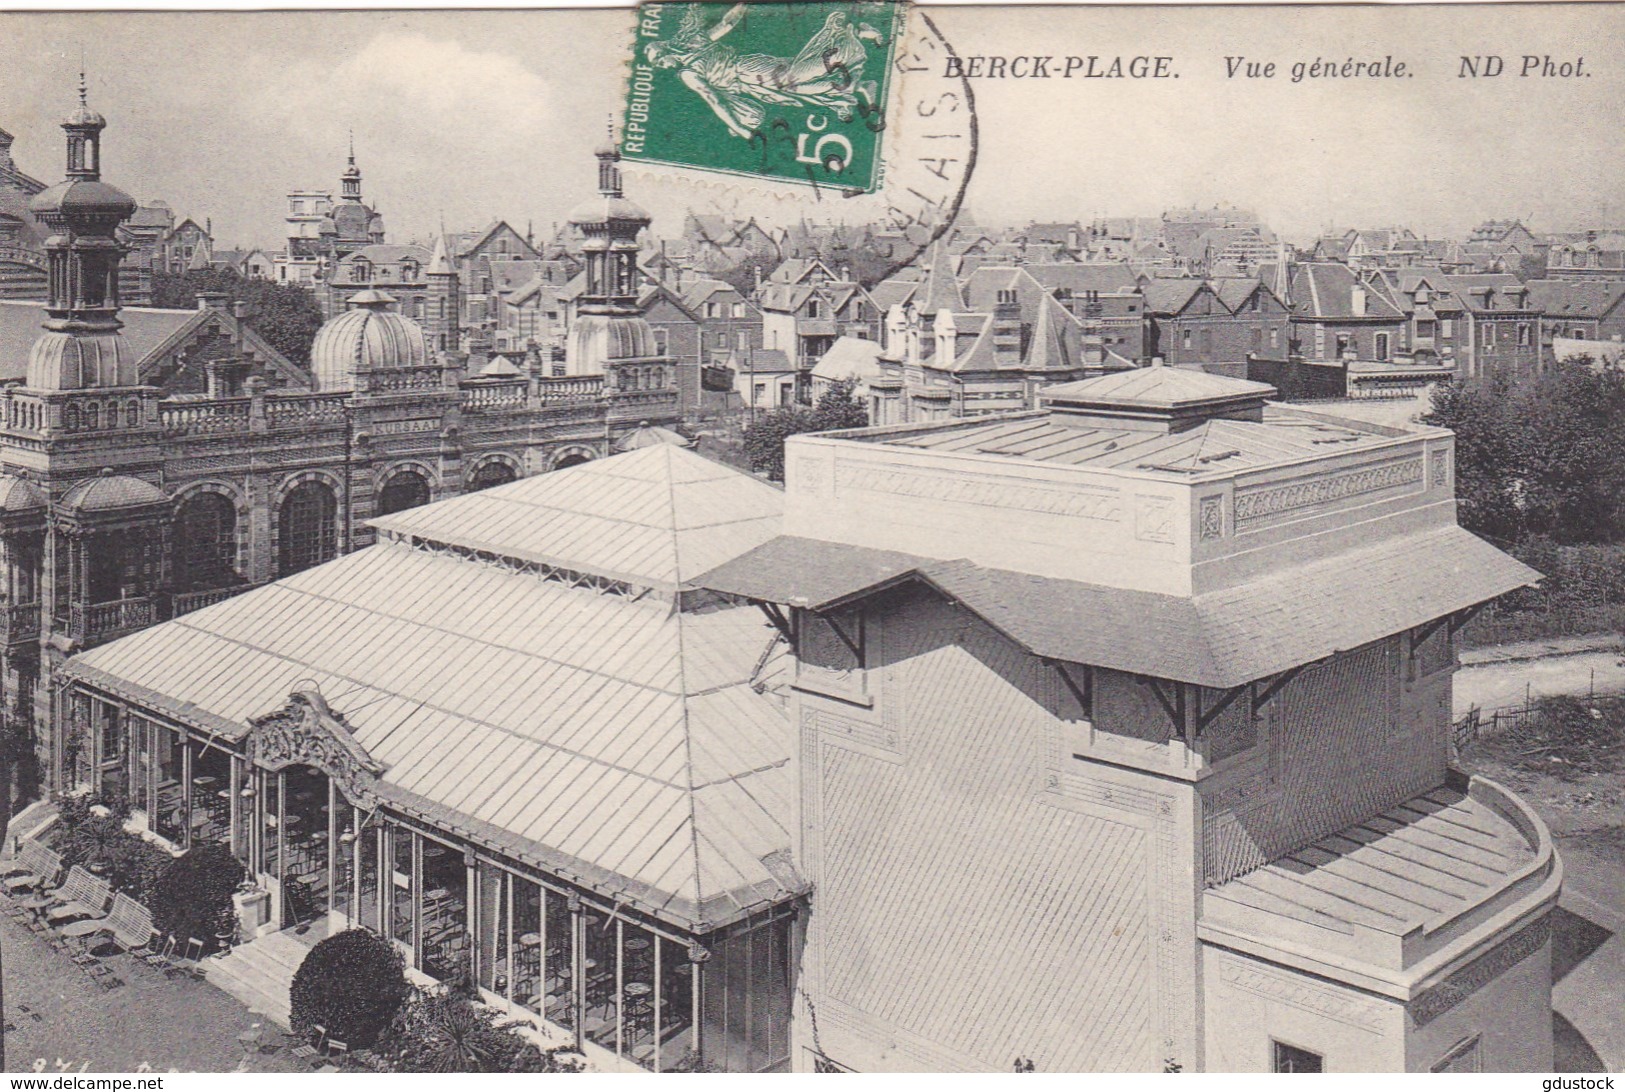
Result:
[1511,1014]
[1248,1003]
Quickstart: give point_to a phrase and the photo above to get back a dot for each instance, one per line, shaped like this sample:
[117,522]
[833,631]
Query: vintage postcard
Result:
[813,537]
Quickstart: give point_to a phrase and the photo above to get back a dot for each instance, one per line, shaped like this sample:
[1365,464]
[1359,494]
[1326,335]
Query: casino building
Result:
[122,506]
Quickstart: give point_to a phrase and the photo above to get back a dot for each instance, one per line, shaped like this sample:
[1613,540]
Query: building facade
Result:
[150,477]
[1105,790]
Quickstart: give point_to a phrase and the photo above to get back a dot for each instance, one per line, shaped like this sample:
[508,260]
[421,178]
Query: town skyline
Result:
[271,113]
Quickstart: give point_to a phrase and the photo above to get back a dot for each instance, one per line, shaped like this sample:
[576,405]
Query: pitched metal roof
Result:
[653,517]
[1221,638]
[610,738]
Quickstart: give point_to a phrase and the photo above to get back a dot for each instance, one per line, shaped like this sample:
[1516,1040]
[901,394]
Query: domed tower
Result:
[609,327]
[81,346]
[352,348]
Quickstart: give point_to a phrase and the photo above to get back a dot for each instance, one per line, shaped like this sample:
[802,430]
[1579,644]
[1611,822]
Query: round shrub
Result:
[192,896]
[353,983]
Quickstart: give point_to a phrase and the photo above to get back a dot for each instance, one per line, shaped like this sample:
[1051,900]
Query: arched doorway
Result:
[405,489]
[206,543]
[491,474]
[308,528]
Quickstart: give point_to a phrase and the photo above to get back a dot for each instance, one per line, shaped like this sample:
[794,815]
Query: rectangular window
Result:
[1344,342]
[1523,334]
[1489,334]
[1382,346]
[1291,1059]
[1185,339]
[1447,327]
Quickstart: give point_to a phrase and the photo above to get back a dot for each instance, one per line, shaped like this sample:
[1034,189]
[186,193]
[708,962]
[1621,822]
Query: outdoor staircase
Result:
[259,973]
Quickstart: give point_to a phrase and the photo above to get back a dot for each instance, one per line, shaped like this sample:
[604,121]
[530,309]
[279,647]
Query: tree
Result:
[352,984]
[837,408]
[285,315]
[1543,456]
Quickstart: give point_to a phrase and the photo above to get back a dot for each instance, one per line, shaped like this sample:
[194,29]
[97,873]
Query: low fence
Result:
[1481,722]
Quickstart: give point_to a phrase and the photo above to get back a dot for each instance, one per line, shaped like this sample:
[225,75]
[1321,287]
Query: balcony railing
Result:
[571,388]
[495,394]
[226,415]
[22,623]
[91,623]
[406,379]
[303,410]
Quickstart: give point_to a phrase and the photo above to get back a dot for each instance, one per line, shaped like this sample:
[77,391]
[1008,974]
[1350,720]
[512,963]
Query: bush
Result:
[192,897]
[446,1032]
[100,842]
[353,984]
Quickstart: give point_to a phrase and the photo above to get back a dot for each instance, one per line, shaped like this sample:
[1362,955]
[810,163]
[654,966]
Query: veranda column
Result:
[471,917]
[234,808]
[578,941]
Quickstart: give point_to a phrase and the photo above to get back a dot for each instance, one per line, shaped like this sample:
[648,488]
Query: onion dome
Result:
[82,199]
[608,339]
[605,208]
[367,338]
[110,492]
[70,361]
[19,496]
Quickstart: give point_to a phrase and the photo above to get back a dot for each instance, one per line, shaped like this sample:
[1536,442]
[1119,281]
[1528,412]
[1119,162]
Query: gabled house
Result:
[1579,310]
[1504,330]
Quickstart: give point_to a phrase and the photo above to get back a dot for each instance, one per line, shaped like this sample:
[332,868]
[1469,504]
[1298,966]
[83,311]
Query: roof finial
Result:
[82,86]
[352,147]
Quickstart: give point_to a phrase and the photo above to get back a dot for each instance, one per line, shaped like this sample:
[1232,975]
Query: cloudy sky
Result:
[464,116]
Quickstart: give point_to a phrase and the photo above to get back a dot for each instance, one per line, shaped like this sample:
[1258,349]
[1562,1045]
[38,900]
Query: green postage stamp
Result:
[795,92]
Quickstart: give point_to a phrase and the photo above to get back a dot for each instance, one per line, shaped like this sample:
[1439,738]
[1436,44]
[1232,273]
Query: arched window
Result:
[132,414]
[70,418]
[575,458]
[206,543]
[93,415]
[404,490]
[307,526]
[492,473]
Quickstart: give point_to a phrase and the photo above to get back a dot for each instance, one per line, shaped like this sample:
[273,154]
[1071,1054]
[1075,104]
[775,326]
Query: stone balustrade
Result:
[92,623]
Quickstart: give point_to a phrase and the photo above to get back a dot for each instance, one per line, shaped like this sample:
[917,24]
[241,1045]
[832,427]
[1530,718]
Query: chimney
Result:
[1357,301]
[946,334]
[1007,330]
[212,301]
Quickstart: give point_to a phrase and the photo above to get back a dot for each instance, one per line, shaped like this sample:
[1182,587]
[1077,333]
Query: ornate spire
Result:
[351,178]
[81,346]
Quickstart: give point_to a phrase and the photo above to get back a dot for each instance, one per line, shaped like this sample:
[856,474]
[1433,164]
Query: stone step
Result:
[250,989]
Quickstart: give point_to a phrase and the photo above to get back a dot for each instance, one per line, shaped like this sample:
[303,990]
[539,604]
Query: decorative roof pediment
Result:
[305,732]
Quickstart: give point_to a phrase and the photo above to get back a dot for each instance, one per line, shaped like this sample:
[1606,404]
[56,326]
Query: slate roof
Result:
[1221,638]
[1576,299]
[1326,290]
[146,330]
[1113,277]
[612,739]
